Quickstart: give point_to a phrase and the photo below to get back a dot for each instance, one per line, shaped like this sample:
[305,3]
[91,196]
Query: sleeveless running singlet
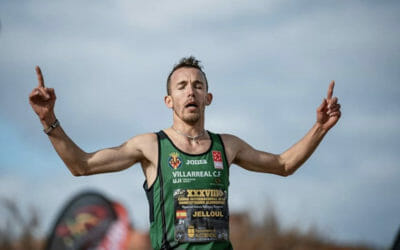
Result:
[189,198]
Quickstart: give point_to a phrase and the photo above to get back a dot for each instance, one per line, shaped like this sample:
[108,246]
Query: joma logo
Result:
[196,162]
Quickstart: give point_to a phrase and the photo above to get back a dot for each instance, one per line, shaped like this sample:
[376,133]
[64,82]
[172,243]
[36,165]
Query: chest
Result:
[205,168]
[192,147]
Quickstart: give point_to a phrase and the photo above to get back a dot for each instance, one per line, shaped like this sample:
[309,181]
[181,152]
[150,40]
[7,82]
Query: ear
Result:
[168,101]
[209,98]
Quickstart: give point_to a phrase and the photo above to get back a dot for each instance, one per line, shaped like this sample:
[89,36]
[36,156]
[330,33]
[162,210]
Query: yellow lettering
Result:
[208,214]
[205,193]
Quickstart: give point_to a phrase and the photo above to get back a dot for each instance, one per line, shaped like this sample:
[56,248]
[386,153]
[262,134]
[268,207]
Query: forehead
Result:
[187,74]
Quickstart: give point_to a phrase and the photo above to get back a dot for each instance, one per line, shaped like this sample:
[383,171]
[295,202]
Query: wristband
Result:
[54,125]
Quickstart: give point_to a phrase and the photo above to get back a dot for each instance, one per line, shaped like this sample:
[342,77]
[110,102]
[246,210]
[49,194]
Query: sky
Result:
[268,64]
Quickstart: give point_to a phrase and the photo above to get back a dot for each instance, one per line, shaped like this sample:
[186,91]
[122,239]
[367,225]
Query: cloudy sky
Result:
[268,63]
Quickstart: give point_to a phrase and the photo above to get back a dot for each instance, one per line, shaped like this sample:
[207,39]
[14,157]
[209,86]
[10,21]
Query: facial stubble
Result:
[191,118]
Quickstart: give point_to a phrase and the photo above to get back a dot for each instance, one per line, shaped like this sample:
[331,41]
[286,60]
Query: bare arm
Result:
[79,162]
[242,154]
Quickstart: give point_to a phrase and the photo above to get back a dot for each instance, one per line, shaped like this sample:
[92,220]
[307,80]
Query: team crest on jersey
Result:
[174,160]
[217,157]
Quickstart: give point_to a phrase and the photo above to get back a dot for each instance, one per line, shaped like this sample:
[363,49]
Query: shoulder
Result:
[233,145]
[231,140]
[142,141]
[144,138]
[147,137]
[143,147]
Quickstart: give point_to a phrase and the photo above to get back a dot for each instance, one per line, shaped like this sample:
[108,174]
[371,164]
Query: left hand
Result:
[328,113]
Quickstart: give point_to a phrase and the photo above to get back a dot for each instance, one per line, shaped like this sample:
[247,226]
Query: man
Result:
[186,167]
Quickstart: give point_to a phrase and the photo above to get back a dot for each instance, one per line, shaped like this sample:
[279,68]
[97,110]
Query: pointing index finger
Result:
[330,90]
[39,77]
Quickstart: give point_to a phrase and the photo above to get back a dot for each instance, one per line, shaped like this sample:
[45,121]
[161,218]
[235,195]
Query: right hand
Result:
[328,113]
[42,99]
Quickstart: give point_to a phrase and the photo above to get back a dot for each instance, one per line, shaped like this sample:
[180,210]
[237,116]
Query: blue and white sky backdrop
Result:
[268,63]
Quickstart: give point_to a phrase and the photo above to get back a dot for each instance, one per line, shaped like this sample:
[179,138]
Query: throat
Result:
[196,144]
[193,139]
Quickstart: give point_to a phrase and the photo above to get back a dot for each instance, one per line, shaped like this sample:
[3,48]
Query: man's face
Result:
[188,94]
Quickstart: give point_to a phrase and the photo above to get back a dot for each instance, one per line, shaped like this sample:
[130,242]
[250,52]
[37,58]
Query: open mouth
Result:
[192,104]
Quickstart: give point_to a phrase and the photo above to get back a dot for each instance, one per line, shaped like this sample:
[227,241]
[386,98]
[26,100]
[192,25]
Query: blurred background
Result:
[268,64]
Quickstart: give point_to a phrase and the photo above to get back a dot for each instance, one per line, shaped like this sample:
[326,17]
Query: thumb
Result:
[323,105]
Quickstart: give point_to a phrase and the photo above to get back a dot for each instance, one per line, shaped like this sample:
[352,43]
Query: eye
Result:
[198,86]
[181,86]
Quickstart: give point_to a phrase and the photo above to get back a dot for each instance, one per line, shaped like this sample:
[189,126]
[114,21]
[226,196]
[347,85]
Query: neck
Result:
[188,128]
[194,138]
[192,133]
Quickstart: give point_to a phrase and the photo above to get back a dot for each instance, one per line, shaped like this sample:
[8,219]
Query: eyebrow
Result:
[181,83]
[185,82]
[198,81]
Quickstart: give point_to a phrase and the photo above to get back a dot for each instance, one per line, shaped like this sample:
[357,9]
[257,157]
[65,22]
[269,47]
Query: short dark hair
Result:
[191,62]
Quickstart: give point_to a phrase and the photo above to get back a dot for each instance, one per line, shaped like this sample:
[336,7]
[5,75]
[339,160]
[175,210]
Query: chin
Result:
[191,119]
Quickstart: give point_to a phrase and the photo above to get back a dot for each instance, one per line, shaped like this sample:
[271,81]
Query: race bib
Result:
[201,215]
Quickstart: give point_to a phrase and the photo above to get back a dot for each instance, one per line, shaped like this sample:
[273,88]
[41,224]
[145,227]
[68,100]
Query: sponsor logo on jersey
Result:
[174,160]
[190,231]
[217,158]
[196,162]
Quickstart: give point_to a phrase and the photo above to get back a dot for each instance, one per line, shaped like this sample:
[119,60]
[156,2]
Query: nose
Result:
[190,90]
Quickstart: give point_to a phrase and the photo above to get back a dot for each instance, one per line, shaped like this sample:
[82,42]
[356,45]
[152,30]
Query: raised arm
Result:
[79,162]
[242,154]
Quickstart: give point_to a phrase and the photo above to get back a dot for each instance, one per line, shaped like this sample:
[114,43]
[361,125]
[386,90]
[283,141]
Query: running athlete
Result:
[186,167]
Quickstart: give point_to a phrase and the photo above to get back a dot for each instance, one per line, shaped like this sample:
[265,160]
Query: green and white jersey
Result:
[189,198]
